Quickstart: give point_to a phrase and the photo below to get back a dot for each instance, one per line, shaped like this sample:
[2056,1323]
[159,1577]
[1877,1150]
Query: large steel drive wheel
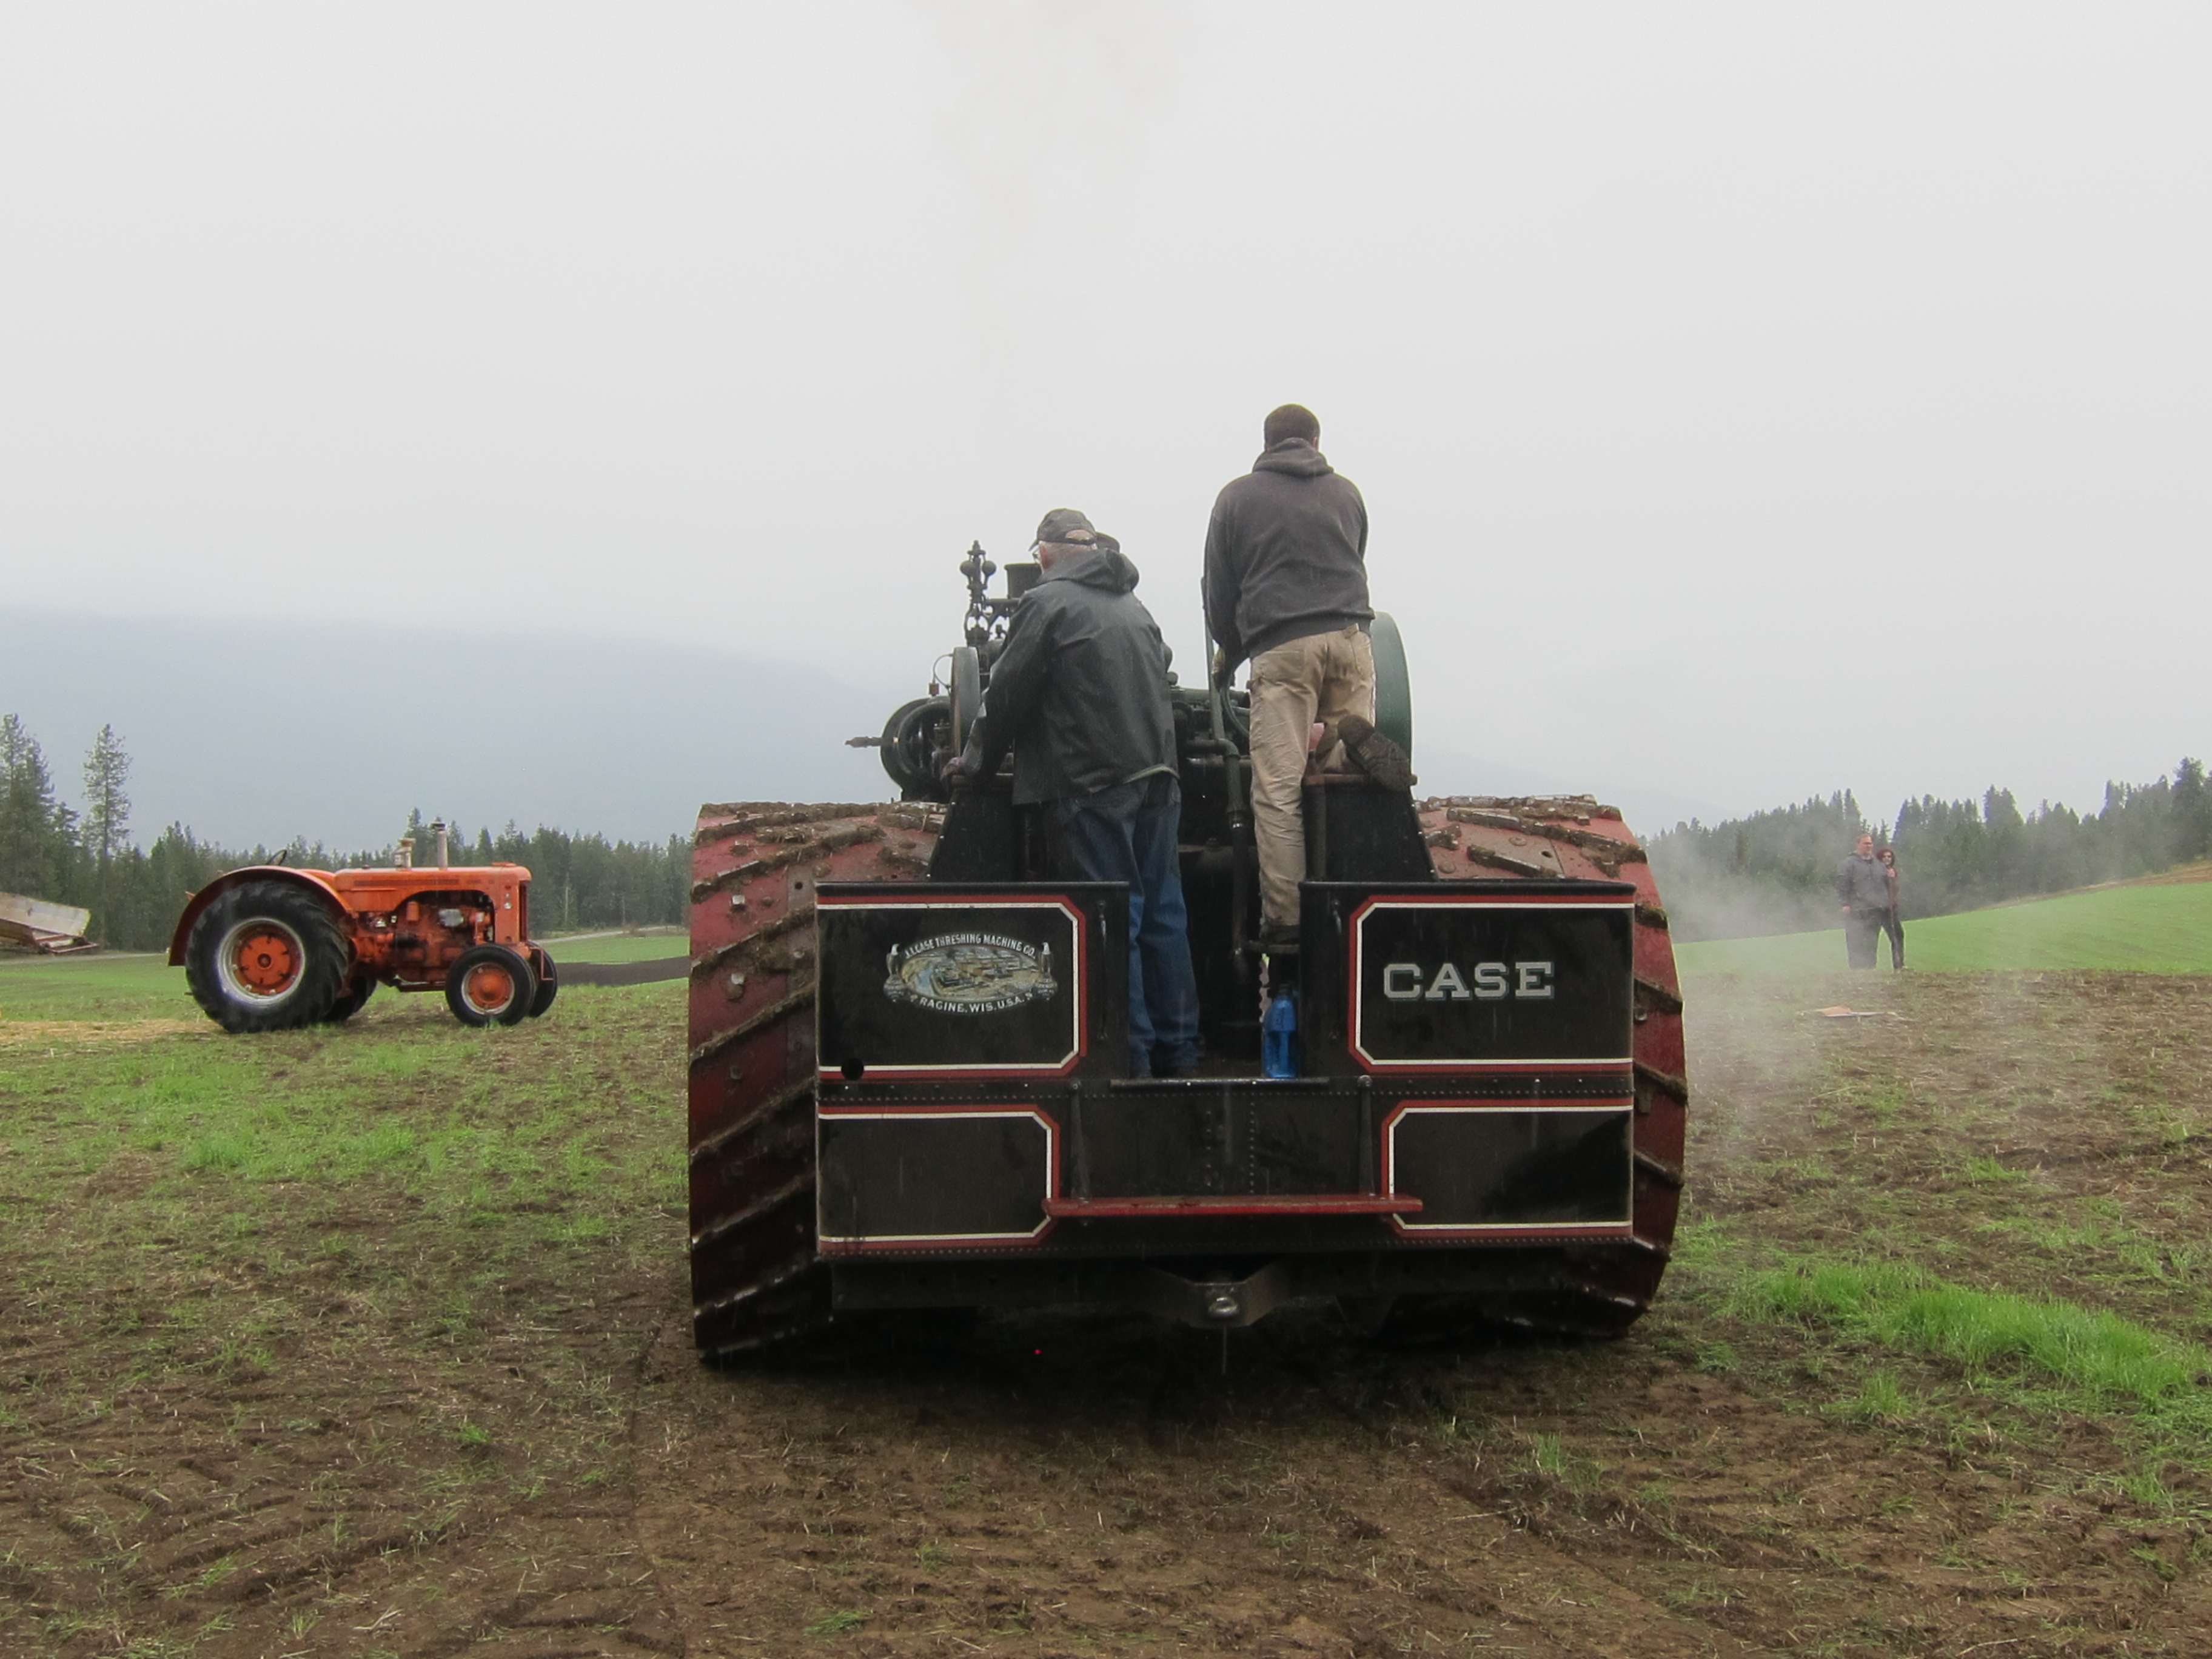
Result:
[1394,684]
[266,956]
[1599,1288]
[754,1277]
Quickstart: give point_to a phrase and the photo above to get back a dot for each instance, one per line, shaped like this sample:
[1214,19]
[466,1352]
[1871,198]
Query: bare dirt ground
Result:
[328,1415]
[35,1033]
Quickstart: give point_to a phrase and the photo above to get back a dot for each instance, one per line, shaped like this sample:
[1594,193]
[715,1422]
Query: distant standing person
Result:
[1286,587]
[1894,925]
[1863,887]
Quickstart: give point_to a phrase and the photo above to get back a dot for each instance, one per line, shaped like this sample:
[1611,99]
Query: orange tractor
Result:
[268,948]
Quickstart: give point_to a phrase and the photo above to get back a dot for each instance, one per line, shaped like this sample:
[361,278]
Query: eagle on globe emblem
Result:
[969,974]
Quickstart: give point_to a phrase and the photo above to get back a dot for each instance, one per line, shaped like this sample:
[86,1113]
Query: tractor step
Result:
[1232,1203]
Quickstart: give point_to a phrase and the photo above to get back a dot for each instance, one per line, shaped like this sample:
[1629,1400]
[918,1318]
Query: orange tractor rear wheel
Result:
[267,957]
[357,992]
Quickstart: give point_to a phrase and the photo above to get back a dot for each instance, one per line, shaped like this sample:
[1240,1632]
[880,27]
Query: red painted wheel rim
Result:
[261,960]
[488,987]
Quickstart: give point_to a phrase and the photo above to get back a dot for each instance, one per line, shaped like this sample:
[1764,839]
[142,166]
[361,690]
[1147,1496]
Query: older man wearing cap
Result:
[1080,692]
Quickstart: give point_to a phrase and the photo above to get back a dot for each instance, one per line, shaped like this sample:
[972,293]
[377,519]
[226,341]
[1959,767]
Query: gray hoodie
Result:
[1862,884]
[1080,690]
[1286,553]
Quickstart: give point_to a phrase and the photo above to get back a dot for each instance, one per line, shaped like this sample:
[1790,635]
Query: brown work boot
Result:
[1376,755]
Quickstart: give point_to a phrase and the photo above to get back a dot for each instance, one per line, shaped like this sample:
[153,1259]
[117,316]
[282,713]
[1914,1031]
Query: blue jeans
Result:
[1128,834]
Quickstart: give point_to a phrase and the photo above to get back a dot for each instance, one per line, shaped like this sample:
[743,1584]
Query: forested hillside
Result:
[51,850]
[1774,871]
[1770,872]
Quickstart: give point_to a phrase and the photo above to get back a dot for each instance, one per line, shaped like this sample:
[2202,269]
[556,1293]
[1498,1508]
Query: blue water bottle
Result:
[1278,1036]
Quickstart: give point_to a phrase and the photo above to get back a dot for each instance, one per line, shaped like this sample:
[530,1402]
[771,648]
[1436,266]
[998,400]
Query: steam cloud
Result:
[1044,113]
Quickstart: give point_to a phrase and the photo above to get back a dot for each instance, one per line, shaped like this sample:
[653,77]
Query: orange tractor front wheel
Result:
[491,985]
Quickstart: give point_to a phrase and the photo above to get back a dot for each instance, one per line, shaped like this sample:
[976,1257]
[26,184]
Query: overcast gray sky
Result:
[1750,400]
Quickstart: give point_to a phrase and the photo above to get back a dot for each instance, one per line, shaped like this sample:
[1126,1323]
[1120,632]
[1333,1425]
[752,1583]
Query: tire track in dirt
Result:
[1524,1580]
[1055,1485]
[275,1514]
[264,1448]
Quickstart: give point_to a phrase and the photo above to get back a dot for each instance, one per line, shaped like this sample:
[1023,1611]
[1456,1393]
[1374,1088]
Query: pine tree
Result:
[2192,809]
[106,832]
[31,821]
[106,808]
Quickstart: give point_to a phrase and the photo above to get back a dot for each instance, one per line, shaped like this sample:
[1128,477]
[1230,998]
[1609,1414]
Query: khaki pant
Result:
[1324,677]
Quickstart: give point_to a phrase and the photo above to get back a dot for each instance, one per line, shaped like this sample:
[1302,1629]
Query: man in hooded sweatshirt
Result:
[1286,586]
[1862,886]
[1080,692]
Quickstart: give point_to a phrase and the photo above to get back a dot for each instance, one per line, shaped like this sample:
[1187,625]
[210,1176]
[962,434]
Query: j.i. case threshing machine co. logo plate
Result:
[947,1020]
[970,973]
[920,984]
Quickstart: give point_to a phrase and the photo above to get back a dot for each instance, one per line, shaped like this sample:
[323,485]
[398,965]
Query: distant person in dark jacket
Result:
[1863,888]
[1080,693]
[1286,587]
[1894,924]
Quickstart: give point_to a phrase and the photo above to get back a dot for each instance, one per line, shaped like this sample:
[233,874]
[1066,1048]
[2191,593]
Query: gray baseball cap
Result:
[1064,524]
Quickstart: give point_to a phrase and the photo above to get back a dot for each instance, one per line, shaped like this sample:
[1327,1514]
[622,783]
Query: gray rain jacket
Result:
[1862,884]
[1286,553]
[1081,688]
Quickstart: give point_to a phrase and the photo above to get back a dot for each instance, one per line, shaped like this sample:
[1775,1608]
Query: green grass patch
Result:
[423,1105]
[530,1128]
[215,1237]
[2091,1350]
[2164,929]
[621,947]
[1880,1400]
[93,988]
[128,987]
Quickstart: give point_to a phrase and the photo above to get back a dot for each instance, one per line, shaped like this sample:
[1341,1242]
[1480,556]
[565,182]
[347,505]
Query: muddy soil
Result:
[1077,1486]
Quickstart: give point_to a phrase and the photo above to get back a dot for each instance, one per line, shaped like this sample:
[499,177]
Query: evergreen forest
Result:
[1769,873]
[1774,872]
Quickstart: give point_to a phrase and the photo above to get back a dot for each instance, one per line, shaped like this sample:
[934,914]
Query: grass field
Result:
[373,1341]
[2157,928]
[104,988]
[369,1284]
[648,945]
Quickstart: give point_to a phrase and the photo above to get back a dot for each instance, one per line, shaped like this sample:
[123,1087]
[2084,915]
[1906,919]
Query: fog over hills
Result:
[1748,400]
[259,731]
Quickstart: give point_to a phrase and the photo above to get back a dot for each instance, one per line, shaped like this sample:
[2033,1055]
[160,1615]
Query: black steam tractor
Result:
[909,1066]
